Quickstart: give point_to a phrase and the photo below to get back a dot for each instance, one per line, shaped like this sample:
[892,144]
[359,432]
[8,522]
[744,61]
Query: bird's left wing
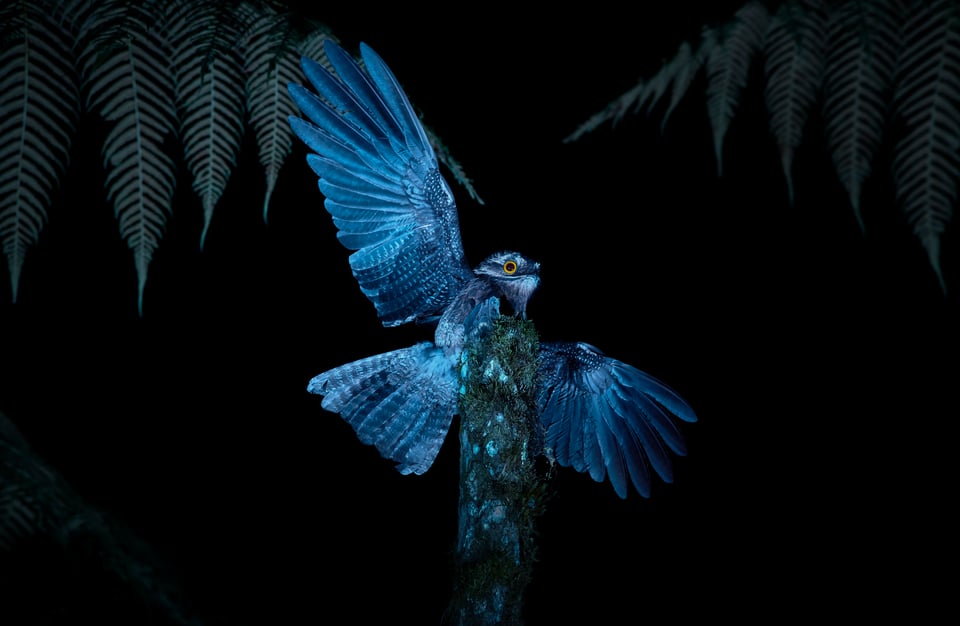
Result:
[607,418]
[382,185]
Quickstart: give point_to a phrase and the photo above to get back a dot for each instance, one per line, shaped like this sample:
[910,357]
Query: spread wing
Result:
[607,418]
[382,185]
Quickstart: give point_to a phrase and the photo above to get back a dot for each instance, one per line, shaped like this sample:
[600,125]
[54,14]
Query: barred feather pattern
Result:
[390,203]
[401,402]
[606,418]
[382,186]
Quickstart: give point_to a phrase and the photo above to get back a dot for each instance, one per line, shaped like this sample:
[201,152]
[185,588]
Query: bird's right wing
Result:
[382,185]
[607,418]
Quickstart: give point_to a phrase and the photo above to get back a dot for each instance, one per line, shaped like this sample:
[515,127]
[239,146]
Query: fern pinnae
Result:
[209,96]
[666,80]
[267,69]
[39,111]
[673,77]
[734,45]
[613,112]
[270,54]
[133,89]
[927,106]
[861,52]
[685,67]
[794,48]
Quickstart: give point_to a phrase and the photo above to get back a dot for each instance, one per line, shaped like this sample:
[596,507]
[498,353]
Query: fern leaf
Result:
[133,88]
[674,78]
[684,68]
[32,501]
[612,113]
[732,48]
[926,164]
[794,48]
[36,501]
[210,98]
[39,110]
[271,58]
[862,42]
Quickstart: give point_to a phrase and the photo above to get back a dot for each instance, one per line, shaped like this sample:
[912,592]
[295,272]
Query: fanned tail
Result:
[401,402]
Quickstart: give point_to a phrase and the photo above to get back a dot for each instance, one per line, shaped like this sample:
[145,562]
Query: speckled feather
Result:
[384,191]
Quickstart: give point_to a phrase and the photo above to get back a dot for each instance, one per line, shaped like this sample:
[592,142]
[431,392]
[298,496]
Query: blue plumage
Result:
[382,186]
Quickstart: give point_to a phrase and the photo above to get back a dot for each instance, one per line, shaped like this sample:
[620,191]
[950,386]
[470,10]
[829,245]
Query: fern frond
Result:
[685,67]
[209,95]
[674,78]
[732,48]
[108,24]
[39,111]
[794,47]
[612,113]
[862,44]
[36,502]
[926,164]
[32,498]
[133,88]
[13,23]
[271,53]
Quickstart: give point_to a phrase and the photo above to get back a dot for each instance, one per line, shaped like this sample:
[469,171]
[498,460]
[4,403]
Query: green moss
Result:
[502,493]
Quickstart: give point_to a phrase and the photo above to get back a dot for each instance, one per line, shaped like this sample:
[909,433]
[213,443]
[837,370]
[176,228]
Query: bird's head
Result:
[512,276]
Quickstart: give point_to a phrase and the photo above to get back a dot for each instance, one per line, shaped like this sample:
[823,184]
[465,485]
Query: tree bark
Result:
[501,493]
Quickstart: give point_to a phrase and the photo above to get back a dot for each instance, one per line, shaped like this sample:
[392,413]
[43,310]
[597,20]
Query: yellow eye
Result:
[510,267]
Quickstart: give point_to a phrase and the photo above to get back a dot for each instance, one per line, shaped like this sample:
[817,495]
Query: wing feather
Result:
[381,183]
[606,418]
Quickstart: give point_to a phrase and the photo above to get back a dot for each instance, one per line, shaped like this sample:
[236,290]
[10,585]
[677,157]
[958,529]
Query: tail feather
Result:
[401,402]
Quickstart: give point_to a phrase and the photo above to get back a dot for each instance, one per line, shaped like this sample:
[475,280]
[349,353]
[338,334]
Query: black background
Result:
[822,362]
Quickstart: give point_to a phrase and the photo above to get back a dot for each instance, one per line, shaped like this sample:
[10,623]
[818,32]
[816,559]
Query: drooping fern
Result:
[39,111]
[133,88]
[272,47]
[173,80]
[870,67]
[39,507]
[794,58]
[731,48]
[926,164]
[209,95]
[857,85]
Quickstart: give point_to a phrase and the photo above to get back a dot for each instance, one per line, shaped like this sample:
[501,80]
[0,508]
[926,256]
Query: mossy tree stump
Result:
[501,490]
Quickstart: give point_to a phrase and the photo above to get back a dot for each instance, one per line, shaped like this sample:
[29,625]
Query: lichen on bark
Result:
[502,489]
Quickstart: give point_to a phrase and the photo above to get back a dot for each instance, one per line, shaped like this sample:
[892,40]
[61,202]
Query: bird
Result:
[395,212]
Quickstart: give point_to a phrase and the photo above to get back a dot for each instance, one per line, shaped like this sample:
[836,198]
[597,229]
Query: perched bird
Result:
[382,186]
